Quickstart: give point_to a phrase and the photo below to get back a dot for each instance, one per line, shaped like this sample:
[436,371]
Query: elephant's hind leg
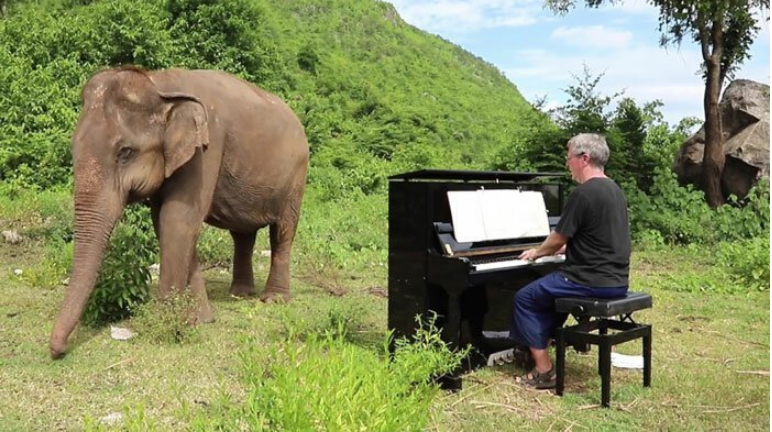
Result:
[243,284]
[277,287]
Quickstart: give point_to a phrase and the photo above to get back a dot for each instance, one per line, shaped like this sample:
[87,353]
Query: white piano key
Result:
[518,262]
[502,264]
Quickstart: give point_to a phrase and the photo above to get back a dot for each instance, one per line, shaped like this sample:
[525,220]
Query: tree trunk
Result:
[713,158]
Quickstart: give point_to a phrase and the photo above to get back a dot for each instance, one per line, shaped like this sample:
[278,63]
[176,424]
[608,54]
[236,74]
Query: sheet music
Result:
[533,220]
[466,212]
[502,213]
[497,214]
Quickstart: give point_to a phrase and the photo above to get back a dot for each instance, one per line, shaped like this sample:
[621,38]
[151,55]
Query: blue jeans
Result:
[533,307]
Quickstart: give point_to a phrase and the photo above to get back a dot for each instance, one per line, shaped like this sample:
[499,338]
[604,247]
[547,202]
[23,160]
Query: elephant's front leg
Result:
[243,284]
[178,228]
[204,312]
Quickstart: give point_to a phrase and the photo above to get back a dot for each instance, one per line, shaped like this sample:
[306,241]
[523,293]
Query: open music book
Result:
[497,214]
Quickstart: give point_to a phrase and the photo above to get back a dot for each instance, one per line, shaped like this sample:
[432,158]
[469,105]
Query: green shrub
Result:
[125,275]
[327,383]
[747,218]
[681,216]
[167,321]
[747,262]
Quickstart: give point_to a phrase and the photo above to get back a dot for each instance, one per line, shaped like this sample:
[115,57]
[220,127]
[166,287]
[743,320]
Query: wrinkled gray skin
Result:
[201,146]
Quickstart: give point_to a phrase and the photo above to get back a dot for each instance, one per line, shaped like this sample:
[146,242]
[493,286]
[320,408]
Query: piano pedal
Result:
[501,357]
[519,356]
[452,383]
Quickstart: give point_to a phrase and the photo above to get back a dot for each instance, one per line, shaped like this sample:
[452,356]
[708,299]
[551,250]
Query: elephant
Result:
[197,146]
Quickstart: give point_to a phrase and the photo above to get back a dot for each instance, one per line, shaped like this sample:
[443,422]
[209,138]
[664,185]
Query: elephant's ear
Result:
[187,129]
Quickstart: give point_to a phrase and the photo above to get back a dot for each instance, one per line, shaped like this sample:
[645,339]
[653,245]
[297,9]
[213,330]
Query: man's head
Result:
[586,156]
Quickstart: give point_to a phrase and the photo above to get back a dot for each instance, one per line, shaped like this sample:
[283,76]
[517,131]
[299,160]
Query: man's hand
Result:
[529,255]
[554,244]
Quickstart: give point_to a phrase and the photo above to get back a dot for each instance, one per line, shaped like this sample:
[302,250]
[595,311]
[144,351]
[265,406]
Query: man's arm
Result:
[551,245]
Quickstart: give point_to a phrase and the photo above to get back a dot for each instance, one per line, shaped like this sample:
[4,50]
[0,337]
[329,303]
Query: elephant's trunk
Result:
[95,218]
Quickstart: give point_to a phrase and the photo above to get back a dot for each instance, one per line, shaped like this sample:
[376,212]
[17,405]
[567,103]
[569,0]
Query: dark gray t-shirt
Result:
[595,222]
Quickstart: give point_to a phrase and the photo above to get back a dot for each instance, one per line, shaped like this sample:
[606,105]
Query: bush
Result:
[327,383]
[167,321]
[681,216]
[747,262]
[125,275]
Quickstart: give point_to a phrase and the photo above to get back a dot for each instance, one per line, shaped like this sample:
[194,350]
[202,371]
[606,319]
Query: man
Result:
[595,235]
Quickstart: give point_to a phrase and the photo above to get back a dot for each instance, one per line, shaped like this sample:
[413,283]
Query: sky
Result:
[543,53]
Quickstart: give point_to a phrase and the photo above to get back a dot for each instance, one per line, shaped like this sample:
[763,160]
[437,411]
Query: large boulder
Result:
[745,121]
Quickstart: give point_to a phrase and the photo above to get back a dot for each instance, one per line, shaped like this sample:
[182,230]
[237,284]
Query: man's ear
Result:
[187,129]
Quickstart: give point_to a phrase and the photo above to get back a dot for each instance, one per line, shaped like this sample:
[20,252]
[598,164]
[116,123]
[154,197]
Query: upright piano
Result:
[454,239]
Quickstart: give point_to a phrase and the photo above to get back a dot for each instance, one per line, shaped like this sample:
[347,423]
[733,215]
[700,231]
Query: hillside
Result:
[377,96]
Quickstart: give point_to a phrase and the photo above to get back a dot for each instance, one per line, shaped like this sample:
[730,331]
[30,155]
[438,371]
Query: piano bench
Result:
[596,314]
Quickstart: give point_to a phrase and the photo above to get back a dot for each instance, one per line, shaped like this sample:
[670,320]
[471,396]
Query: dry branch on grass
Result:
[726,410]
[475,393]
[760,372]
[127,360]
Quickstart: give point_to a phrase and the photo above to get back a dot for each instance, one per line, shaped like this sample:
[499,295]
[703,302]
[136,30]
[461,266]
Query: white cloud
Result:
[597,36]
[644,73]
[619,41]
[459,16]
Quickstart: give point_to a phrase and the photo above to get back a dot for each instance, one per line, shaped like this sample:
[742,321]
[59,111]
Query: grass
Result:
[710,370]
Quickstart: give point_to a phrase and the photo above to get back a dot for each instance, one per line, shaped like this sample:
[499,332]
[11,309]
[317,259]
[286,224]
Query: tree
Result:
[588,110]
[725,30]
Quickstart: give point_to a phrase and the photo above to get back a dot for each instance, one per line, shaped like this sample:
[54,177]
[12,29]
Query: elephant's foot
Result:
[275,295]
[202,314]
[243,291]
[58,350]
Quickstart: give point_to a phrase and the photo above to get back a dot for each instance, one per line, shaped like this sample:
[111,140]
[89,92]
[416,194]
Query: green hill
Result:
[377,96]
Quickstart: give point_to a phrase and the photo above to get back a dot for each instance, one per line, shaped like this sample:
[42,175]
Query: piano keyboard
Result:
[516,262]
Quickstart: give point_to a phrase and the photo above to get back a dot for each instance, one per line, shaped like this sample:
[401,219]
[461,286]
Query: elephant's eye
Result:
[125,153]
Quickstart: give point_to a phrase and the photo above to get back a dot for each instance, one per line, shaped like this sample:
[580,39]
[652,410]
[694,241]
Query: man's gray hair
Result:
[593,145]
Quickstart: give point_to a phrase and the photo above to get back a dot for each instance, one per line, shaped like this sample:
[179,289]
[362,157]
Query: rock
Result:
[12,237]
[18,272]
[111,419]
[745,121]
[120,333]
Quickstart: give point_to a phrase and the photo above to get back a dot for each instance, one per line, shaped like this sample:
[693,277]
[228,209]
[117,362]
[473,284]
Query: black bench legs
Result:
[594,314]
